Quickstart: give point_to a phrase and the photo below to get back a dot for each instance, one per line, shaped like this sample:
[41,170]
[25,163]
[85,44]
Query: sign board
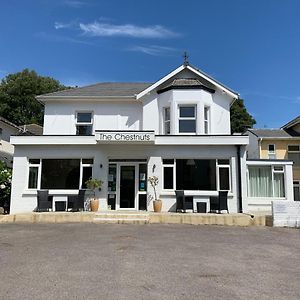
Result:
[129,137]
[286,213]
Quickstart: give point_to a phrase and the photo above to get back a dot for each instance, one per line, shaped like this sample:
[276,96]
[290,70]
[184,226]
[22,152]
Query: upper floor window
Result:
[206,119]
[84,123]
[167,121]
[271,151]
[294,154]
[187,119]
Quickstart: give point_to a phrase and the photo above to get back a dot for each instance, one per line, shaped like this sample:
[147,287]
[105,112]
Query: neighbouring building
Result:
[177,129]
[278,144]
[7,129]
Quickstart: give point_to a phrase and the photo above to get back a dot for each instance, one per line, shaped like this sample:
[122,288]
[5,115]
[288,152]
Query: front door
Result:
[127,187]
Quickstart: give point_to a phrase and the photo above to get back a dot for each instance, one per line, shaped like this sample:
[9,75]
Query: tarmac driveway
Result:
[92,261]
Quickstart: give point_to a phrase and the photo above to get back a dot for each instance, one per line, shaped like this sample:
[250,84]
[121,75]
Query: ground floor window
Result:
[59,173]
[266,181]
[196,174]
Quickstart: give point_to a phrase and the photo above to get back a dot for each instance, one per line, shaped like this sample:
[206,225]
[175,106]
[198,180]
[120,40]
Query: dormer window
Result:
[84,123]
[167,120]
[187,119]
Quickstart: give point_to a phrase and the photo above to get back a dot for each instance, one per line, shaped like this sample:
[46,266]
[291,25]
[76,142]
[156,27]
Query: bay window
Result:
[187,119]
[166,120]
[206,120]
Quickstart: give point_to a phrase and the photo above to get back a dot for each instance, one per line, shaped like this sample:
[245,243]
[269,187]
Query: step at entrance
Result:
[121,218]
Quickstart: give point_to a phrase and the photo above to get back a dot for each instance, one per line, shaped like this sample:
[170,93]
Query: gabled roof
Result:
[9,123]
[196,71]
[291,123]
[103,89]
[272,133]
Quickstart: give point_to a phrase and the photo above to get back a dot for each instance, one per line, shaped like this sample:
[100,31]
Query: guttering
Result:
[85,98]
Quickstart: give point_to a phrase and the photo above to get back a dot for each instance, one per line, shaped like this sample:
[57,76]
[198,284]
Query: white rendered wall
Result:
[59,117]
[23,200]
[253,147]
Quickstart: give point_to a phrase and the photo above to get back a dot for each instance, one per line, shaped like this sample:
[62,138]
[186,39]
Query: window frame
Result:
[34,165]
[187,118]
[91,123]
[223,166]
[165,121]
[173,166]
[272,154]
[206,119]
[293,151]
[40,166]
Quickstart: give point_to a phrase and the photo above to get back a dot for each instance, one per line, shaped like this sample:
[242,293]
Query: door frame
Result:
[136,185]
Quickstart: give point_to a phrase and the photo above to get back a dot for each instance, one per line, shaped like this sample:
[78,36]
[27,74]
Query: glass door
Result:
[127,187]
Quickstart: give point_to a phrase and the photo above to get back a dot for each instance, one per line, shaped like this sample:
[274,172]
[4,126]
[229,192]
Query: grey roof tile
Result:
[104,89]
[272,133]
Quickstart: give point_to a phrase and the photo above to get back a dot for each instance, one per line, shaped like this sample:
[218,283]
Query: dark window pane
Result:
[168,161]
[187,111]
[112,177]
[33,177]
[60,173]
[295,157]
[201,175]
[34,161]
[296,193]
[187,125]
[142,177]
[271,148]
[87,173]
[168,178]
[223,161]
[84,129]
[167,113]
[84,117]
[294,148]
[224,179]
[88,161]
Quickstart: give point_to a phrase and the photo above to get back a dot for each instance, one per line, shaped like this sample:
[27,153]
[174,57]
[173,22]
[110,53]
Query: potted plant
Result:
[94,184]
[157,203]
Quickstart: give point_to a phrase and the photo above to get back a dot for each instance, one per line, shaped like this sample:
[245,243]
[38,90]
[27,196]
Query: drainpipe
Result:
[240,197]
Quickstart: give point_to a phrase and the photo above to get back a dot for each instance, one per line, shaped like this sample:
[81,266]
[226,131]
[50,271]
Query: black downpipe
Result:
[240,197]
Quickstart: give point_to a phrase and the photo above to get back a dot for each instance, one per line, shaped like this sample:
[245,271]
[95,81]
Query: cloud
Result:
[74,3]
[59,25]
[126,30]
[58,38]
[153,50]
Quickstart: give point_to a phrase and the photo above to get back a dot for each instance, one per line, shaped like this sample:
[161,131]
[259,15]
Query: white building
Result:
[177,129]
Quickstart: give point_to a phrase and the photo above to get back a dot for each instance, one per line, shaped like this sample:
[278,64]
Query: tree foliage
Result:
[5,183]
[239,117]
[17,96]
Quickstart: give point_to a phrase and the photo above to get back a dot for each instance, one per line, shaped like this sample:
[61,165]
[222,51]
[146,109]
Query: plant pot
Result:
[157,204]
[94,204]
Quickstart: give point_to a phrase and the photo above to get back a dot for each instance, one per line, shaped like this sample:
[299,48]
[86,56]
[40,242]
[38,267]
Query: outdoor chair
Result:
[180,201]
[44,201]
[219,203]
[76,202]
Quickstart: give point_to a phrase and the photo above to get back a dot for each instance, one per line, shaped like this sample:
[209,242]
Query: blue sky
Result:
[252,46]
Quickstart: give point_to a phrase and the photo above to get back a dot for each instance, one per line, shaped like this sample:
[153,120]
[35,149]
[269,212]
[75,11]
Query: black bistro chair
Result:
[180,201]
[219,203]
[44,201]
[76,202]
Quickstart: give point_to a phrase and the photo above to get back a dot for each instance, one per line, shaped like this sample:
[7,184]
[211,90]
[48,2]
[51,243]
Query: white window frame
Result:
[34,165]
[84,123]
[187,118]
[206,119]
[272,154]
[294,151]
[83,165]
[224,166]
[173,166]
[165,121]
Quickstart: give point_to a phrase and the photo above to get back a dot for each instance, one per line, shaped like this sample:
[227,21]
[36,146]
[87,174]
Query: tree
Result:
[5,186]
[239,117]
[17,96]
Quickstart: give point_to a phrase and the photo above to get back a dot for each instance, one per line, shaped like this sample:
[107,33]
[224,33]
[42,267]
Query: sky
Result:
[251,46]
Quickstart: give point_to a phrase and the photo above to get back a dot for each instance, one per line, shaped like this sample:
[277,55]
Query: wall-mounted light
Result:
[153,168]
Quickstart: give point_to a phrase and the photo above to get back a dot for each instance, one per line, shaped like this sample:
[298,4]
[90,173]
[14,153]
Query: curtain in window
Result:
[260,182]
[279,185]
